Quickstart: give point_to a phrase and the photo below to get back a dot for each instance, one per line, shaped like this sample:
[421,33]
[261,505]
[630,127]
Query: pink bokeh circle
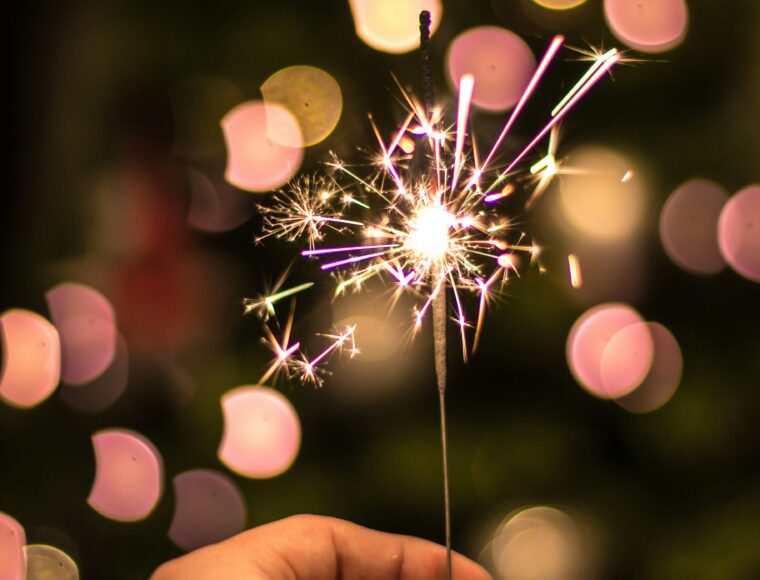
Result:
[262,433]
[648,25]
[739,232]
[499,61]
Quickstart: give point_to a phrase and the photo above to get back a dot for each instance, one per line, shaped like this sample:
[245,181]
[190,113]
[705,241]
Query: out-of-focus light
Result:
[128,475]
[574,267]
[500,62]
[104,391]
[87,325]
[406,144]
[393,25]
[626,360]
[648,25]
[12,540]
[587,342]
[612,272]
[595,200]
[386,361]
[538,543]
[31,358]
[208,508]
[216,207]
[739,232]
[377,339]
[559,4]
[197,105]
[664,376]
[255,162]
[312,95]
[262,433]
[48,563]
[688,223]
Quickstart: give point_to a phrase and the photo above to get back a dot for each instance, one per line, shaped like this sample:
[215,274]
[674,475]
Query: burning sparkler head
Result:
[431,214]
[429,232]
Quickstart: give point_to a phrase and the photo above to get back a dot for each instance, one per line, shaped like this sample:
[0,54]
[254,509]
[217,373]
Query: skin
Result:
[317,548]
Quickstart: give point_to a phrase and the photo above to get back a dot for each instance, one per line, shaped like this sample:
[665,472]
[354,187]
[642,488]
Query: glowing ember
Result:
[575,271]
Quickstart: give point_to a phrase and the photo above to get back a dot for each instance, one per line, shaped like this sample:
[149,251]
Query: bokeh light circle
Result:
[499,61]
[45,562]
[688,224]
[559,4]
[611,272]
[596,199]
[12,540]
[255,161]
[626,360]
[31,366]
[587,341]
[128,475]
[208,508]
[378,339]
[216,206]
[197,105]
[104,391]
[538,543]
[648,25]
[664,375]
[262,433]
[313,97]
[739,232]
[393,25]
[86,322]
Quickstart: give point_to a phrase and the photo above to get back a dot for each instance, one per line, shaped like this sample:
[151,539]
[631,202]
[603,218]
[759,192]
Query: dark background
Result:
[671,494]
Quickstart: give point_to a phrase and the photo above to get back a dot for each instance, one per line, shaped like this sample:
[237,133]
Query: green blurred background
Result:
[670,494]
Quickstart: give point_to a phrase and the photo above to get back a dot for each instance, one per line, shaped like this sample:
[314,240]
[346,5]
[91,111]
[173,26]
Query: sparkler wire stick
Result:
[436,230]
[439,300]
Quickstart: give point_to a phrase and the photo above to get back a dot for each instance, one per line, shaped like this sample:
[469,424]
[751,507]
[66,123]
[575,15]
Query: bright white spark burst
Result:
[428,231]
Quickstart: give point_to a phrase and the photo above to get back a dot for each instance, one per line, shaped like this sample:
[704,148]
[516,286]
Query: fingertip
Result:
[465,569]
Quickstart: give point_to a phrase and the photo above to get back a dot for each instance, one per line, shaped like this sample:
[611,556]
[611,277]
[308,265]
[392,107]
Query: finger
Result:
[317,548]
[365,553]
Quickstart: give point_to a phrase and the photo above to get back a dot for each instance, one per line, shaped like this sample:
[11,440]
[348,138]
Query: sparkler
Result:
[289,359]
[428,218]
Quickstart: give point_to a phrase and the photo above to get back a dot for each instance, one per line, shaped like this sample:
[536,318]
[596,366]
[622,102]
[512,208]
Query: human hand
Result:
[316,547]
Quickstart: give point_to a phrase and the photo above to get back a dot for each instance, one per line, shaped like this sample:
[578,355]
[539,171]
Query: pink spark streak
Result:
[344,249]
[466,84]
[551,51]
[595,78]
[351,260]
